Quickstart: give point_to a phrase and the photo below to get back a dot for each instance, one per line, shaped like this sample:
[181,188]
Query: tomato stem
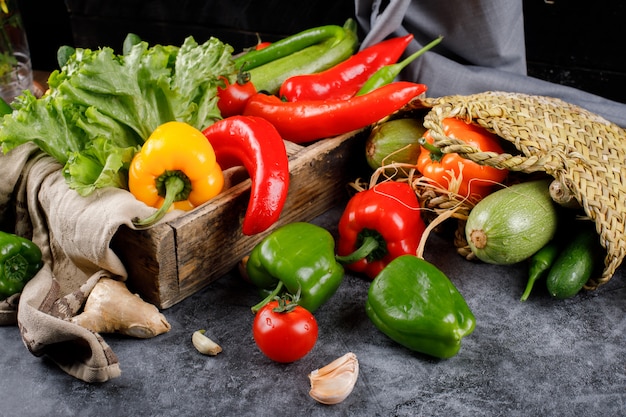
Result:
[255,308]
[243,77]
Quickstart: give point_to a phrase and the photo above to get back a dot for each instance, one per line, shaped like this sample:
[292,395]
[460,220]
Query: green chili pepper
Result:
[315,58]
[299,258]
[20,259]
[388,73]
[415,304]
[539,265]
[287,46]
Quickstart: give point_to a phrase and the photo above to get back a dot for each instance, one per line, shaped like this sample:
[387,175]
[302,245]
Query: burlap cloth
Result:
[73,233]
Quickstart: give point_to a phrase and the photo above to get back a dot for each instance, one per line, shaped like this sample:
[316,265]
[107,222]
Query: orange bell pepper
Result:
[176,168]
[451,171]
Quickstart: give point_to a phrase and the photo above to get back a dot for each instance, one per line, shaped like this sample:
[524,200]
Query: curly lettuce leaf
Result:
[101,165]
[119,99]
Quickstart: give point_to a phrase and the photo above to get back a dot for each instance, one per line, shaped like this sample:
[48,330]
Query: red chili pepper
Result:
[232,98]
[254,143]
[378,225]
[346,78]
[309,120]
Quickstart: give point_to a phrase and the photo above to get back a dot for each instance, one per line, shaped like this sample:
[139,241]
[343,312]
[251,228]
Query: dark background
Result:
[570,42]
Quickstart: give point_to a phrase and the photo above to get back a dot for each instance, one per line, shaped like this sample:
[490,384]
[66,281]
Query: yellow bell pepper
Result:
[175,169]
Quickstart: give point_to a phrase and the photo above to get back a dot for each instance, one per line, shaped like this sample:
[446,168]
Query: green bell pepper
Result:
[416,305]
[20,259]
[298,257]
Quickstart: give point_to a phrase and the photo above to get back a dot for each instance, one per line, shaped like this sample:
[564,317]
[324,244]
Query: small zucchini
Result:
[574,265]
[394,141]
[511,224]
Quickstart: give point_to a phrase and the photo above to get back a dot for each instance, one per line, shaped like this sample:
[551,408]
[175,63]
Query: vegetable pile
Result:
[164,122]
[105,116]
[502,218]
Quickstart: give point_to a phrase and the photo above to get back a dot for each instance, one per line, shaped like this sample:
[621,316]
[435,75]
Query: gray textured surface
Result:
[539,358]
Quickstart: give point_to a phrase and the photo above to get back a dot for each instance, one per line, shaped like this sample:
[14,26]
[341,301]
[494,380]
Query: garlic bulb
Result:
[334,382]
[205,345]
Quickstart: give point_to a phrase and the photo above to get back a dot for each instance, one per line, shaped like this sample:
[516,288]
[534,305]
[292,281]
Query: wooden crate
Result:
[175,259]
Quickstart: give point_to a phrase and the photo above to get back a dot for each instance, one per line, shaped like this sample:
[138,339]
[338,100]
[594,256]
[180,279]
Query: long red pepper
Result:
[254,143]
[346,78]
[310,120]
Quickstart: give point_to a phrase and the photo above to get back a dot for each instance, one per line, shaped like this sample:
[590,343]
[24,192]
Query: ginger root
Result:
[112,308]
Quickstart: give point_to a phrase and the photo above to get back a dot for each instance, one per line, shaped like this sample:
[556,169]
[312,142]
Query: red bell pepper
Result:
[310,120]
[346,78]
[254,143]
[454,173]
[377,226]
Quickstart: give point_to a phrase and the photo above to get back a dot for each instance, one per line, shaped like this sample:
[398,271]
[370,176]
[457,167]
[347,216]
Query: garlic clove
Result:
[205,345]
[333,383]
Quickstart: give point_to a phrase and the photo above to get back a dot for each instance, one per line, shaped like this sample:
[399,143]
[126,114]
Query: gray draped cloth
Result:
[483,49]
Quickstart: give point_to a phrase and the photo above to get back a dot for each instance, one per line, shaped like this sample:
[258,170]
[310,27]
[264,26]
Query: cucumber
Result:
[511,224]
[574,265]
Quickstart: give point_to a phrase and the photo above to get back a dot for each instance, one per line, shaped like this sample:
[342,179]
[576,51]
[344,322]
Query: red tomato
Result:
[233,97]
[262,45]
[284,336]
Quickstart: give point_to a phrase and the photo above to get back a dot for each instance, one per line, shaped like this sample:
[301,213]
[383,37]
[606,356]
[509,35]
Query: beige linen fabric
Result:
[73,233]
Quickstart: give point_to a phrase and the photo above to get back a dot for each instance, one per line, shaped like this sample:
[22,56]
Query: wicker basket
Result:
[582,150]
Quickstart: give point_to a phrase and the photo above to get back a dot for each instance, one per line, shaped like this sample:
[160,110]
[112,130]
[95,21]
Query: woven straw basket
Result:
[581,150]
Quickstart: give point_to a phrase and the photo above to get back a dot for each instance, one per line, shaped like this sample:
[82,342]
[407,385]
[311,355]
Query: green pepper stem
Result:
[16,268]
[406,61]
[388,73]
[369,245]
[435,152]
[174,186]
[279,287]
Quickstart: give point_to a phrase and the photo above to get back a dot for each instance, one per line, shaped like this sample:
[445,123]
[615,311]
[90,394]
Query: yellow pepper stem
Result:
[174,186]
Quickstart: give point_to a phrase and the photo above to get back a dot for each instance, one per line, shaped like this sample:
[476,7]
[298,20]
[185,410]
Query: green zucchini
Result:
[394,141]
[511,224]
[574,265]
